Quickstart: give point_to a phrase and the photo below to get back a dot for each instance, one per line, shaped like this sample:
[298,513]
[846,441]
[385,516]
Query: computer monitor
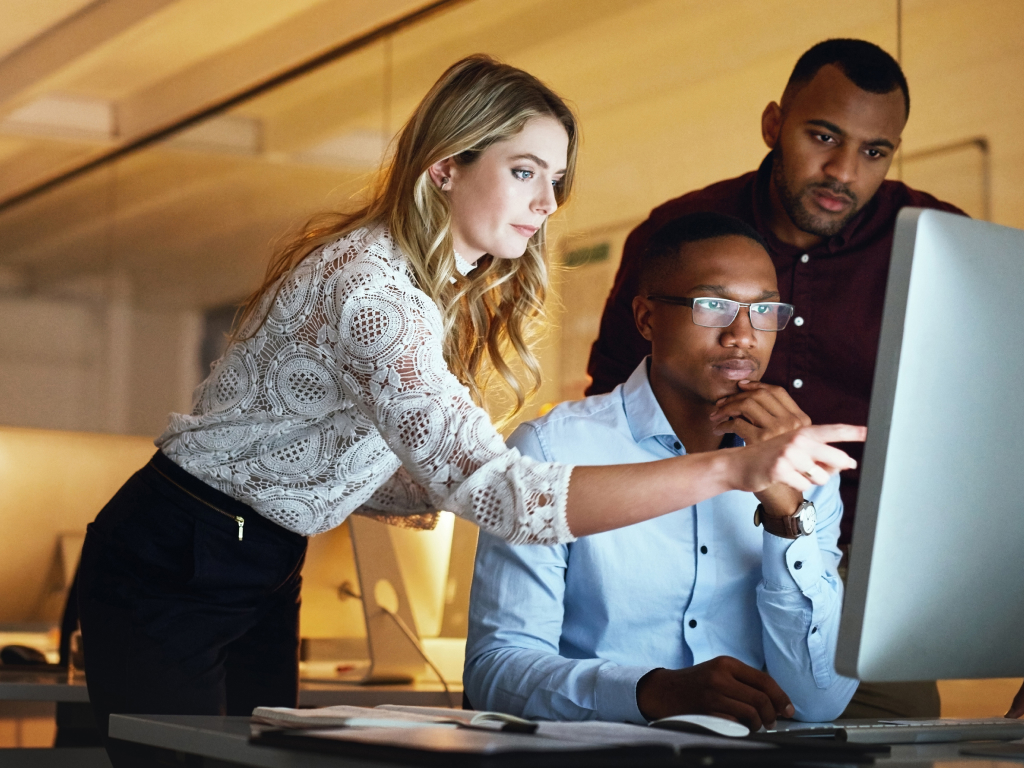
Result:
[392,639]
[936,576]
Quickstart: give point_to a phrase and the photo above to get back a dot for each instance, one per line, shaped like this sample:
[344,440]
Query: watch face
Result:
[806,518]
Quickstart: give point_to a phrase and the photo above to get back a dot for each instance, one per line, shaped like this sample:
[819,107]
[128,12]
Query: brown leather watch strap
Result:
[784,527]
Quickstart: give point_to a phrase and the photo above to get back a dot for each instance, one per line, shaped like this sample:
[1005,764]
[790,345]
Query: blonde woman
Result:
[353,384]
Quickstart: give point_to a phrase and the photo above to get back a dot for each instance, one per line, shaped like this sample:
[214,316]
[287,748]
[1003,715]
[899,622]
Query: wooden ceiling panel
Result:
[24,20]
[206,83]
[11,146]
[676,45]
[347,95]
[36,159]
[157,62]
[179,35]
[36,68]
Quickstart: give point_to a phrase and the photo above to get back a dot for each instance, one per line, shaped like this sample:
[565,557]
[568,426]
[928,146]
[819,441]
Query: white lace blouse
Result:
[342,401]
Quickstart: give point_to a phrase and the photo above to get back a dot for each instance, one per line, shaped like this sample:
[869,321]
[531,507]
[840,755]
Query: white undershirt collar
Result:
[462,266]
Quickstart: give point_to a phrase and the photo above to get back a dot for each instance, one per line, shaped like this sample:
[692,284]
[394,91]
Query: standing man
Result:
[821,202]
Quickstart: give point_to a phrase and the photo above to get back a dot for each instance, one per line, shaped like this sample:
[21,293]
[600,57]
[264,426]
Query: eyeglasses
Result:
[720,313]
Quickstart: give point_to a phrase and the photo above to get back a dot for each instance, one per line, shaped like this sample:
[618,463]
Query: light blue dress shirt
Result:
[566,632]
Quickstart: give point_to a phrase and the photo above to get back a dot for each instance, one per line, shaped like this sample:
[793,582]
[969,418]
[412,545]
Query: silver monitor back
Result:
[394,657]
[936,578]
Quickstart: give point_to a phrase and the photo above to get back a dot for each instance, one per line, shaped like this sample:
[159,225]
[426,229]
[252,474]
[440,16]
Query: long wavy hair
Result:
[489,315]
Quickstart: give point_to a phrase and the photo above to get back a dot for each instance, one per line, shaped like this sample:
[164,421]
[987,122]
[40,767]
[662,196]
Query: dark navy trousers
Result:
[178,615]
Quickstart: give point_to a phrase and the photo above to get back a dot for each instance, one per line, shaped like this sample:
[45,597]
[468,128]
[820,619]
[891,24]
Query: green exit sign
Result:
[591,254]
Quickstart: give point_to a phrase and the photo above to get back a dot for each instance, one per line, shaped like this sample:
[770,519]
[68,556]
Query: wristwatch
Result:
[800,523]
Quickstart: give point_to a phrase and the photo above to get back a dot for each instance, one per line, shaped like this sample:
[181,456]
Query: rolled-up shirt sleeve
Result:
[389,355]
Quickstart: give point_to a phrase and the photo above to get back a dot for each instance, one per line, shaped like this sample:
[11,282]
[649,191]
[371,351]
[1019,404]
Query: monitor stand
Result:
[394,657]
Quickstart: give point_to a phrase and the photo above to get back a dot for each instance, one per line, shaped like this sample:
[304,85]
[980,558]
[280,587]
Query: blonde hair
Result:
[488,316]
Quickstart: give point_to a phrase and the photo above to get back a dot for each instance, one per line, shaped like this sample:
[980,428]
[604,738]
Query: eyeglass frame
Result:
[685,301]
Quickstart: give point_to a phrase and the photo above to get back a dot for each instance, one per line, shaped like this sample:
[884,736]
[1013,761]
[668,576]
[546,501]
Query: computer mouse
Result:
[706,724]
[21,655]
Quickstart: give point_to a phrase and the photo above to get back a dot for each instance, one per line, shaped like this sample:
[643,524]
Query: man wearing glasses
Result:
[678,615]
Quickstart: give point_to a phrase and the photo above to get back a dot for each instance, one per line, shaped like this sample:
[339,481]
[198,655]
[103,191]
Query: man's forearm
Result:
[535,684]
[800,604]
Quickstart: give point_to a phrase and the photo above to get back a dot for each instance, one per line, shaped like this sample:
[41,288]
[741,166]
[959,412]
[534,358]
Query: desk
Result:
[227,739]
[216,738]
[50,685]
[77,727]
[44,685]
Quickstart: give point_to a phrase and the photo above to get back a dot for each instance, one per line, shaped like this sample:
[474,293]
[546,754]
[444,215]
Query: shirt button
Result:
[693,623]
[805,258]
[798,564]
[798,321]
[703,550]
[813,630]
[797,383]
[677,445]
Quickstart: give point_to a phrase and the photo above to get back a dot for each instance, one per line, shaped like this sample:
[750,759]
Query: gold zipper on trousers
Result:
[237,518]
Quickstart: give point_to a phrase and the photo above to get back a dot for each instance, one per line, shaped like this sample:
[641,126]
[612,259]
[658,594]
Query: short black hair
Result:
[869,67]
[661,255]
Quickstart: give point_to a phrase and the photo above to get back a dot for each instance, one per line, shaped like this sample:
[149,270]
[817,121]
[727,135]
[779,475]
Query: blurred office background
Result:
[152,152]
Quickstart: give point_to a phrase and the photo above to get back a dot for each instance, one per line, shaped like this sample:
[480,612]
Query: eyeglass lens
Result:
[720,313]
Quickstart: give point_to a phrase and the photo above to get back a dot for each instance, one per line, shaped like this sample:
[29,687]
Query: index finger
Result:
[830,459]
[836,433]
[763,682]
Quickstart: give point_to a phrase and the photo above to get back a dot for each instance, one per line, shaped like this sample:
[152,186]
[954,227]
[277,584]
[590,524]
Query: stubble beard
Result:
[793,201]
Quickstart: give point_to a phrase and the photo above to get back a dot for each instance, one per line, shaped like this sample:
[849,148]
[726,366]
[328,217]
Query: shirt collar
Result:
[644,414]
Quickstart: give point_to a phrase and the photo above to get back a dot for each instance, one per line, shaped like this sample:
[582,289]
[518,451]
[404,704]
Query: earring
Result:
[444,183]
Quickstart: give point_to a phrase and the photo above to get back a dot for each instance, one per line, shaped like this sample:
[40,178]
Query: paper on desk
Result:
[464,716]
[387,716]
[346,716]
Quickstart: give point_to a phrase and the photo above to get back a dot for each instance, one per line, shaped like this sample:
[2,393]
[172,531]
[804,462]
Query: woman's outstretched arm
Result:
[607,497]
[391,365]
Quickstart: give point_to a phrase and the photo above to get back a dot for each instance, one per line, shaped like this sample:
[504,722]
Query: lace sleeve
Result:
[388,352]
[401,502]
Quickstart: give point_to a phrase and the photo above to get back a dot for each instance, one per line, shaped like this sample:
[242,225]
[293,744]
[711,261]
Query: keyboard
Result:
[911,731]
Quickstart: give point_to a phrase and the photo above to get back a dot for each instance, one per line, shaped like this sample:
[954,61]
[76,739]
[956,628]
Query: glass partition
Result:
[129,262]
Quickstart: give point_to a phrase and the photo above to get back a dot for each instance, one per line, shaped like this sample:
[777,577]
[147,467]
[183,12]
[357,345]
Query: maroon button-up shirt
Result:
[827,361]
